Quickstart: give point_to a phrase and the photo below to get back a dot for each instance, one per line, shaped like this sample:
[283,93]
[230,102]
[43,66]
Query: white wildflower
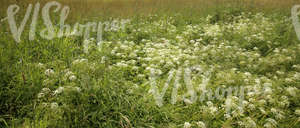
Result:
[103,58]
[41,95]
[58,91]
[280,72]
[245,103]
[49,72]
[54,105]
[248,74]
[250,123]
[44,104]
[262,110]
[68,73]
[200,124]
[296,76]
[262,102]
[40,65]
[270,123]
[267,88]
[72,78]
[192,41]
[46,90]
[213,109]
[209,103]
[288,80]
[292,91]
[273,110]
[187,125]
[187,101]
[251,106]
[227,116]
[279,116]
[79,61]
[297,112]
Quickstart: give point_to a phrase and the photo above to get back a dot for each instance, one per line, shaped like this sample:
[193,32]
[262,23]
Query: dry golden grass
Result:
[125,8]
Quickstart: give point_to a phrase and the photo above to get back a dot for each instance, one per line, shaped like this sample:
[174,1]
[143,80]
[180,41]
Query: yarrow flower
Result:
[40,65]
[200,124]
[270,123]
[54,105]
[79,61]
[58,91]
[250,123]
[41,95]
[292,91]
[72,78]
[232,60]
[187,101]
[49,72]
[187,125]
[46,90]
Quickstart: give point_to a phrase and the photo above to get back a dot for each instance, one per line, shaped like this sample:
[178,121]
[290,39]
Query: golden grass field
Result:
[125,8]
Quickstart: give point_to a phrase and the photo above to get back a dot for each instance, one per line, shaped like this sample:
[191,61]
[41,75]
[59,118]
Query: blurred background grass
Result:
[126,8]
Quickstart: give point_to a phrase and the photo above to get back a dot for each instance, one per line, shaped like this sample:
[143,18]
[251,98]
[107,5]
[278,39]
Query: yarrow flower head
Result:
[187,125]
[271,123]
[54,105]
[49,72]
[40,65]
[46,90]
[58,91]
[292,91]
[41,95]
[200,124]
[72,78]
[250,123]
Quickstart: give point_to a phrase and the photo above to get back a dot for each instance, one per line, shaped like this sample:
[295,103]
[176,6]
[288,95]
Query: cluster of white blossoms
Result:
[52,84]
[242,53]
[198,124]
[235,52]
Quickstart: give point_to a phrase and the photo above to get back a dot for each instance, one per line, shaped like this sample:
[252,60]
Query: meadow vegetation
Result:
[250,44]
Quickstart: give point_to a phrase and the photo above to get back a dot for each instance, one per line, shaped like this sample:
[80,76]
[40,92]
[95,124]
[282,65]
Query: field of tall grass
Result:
[159,64]
[125,8]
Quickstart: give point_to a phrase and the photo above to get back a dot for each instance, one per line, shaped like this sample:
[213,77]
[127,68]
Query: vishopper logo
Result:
[178,76]
[60,30]
[295,17]
[232,97]
[229,95]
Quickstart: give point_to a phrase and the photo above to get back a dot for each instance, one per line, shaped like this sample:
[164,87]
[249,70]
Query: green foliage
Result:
[54,83]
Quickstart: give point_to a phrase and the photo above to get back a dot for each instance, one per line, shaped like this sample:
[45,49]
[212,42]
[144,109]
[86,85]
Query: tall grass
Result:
[107,103]
[127,8]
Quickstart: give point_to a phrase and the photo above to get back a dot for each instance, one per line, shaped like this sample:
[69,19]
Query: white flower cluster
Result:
[243,52]
[48,94]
